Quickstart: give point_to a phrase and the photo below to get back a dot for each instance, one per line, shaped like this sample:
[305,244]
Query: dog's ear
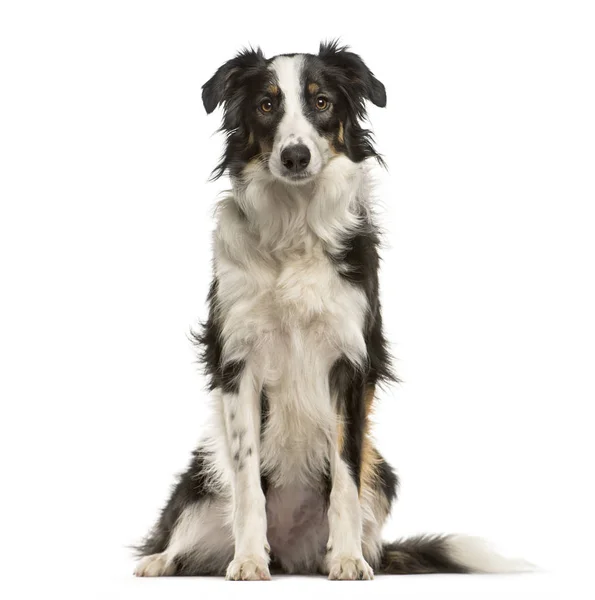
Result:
[228,77]
[356,71]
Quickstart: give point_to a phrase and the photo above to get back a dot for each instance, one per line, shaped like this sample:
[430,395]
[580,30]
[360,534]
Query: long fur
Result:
[287,477]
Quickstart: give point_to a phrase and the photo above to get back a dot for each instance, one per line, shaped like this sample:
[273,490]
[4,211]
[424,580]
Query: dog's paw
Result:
[248,568]
[155,565]
[349,568]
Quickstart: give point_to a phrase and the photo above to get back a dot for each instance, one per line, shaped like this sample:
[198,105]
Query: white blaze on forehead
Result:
[288,70]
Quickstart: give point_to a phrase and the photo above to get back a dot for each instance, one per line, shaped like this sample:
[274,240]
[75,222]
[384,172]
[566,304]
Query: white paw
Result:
[248,568]
[155,565]
[349,568]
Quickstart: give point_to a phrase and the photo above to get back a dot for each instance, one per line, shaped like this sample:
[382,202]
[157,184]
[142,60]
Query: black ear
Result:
[355,70]
[228,76]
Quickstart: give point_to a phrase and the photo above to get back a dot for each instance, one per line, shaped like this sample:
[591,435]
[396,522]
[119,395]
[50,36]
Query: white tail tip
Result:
[480,557]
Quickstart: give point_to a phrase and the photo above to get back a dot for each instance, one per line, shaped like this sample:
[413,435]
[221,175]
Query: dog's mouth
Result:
[297,178]
[294,178]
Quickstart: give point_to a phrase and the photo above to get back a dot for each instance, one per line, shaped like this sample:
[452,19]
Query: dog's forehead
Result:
[296,75]
[287,71]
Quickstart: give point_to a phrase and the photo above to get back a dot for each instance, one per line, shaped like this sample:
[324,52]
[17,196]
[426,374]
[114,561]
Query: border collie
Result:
[288,479]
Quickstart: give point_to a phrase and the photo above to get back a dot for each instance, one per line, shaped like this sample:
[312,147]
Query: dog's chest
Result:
[290,309]
[294,318]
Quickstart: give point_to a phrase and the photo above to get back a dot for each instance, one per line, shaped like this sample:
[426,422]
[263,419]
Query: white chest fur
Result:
[290,316]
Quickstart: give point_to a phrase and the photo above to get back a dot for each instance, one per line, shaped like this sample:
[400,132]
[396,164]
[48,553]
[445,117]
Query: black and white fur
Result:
[287,478]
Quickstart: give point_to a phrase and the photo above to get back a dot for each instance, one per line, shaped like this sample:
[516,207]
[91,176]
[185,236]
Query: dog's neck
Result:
[285,217]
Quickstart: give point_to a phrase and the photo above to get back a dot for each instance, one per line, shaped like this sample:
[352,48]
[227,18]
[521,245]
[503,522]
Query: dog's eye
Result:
[266,105]
[322,103]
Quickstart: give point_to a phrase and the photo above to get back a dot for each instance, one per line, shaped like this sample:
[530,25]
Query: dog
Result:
[288,479]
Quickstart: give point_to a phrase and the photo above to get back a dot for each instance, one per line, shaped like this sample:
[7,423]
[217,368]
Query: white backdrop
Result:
[488,278]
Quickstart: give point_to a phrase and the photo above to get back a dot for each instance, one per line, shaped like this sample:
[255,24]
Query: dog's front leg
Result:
[242,420]
[345,559]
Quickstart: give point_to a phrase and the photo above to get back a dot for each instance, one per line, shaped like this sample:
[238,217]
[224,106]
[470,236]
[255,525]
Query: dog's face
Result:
[290,115]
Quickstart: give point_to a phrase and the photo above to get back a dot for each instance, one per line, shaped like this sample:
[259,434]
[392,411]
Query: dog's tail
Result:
[446,554]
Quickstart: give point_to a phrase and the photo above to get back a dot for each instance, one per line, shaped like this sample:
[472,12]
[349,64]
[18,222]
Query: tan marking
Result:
[370,489]
[369,470]
[340,435]
[265,146]
[339,138]
[313,88]
[258,161]
[251,138]
[369,484]
[369,400]
[273,89]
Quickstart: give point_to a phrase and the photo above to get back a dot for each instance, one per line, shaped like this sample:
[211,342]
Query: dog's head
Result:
[291,114]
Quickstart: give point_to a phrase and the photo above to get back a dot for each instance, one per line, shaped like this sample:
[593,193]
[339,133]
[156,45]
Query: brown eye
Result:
[266,106]
[321,103]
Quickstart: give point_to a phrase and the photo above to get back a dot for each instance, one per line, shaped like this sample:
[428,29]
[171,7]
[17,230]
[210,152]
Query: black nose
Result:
[295,158]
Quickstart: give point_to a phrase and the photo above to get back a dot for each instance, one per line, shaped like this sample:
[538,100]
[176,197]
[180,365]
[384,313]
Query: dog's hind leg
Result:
[193,535]
[201,544]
